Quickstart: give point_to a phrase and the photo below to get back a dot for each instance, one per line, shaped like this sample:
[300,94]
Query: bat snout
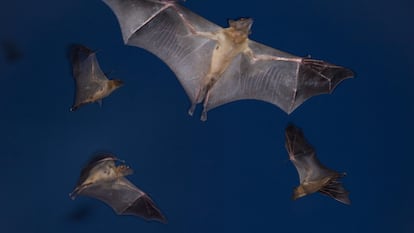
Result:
[124,170]
[117,82]
[298,192]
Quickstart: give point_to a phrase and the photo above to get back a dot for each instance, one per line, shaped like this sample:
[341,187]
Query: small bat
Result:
[103,180]
[217,66]
[313,175]
[92,85]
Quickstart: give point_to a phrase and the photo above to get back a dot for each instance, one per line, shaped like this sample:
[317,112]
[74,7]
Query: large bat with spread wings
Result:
[219,65]
[313,175]
[103,180]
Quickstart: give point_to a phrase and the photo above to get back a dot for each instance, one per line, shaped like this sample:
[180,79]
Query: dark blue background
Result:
[231,173]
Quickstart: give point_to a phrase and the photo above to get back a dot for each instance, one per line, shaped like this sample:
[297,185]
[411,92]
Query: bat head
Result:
[298,192]
[124,170]
[242,25]
[115,83]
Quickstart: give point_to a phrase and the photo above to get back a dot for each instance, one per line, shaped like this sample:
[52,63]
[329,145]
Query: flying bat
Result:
[92,85]
[103,180]
[220,65]
[313,175]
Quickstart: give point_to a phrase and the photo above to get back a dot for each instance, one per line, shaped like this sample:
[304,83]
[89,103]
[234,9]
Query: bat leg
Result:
[77,190]
[204,112]
[201,92]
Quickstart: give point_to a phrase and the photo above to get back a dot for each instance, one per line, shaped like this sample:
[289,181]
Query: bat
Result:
[220,65]
[313,176]
[103,180]
[92,85]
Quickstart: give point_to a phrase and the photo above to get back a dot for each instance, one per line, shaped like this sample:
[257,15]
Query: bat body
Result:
[219,65]
[103,180]
[313,175]
[92,85]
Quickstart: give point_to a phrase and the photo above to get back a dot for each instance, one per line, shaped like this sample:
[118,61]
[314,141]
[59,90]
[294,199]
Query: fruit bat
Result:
[217,66]
[92,85]
[313,175]
[103,180]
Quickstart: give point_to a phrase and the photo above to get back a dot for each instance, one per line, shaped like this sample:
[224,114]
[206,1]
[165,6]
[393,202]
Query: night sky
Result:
[231,173]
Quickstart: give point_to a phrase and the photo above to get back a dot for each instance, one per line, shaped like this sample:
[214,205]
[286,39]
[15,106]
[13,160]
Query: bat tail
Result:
[336,190]
[145,207]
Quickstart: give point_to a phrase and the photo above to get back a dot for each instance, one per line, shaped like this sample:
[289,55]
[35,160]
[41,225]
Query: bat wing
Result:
[125,198]
[157,27]
[88,75]
[286,84]
[336,190]
[303,156]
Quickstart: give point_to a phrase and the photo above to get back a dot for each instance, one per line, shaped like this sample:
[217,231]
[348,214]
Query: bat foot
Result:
[191,110]
[72,196]
[203,116]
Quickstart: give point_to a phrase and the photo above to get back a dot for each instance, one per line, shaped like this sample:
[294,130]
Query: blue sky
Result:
[231,173]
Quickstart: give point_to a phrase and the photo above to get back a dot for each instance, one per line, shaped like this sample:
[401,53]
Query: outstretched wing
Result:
[286,84]
[158,27]
[124,197]
[303,156]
